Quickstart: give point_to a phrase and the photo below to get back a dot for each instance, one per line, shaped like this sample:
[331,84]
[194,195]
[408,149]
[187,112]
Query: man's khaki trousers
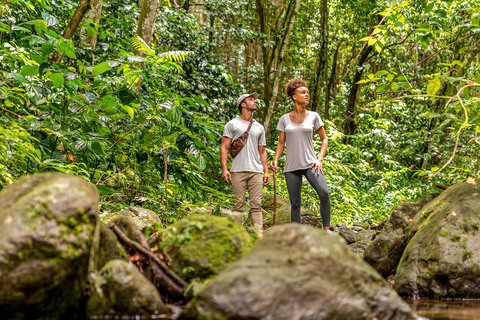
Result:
[253,182]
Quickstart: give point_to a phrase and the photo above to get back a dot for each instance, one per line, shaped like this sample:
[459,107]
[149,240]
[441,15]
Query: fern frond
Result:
[140,45]
[174,56]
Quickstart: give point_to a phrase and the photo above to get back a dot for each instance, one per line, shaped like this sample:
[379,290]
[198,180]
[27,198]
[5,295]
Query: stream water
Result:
[447,310]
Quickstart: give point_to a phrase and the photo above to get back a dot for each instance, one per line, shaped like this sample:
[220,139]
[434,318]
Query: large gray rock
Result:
[142,217]
[109,248]
[385,251]
[298,272]
[203,245]
[47,225]
[119,288]
[442,259]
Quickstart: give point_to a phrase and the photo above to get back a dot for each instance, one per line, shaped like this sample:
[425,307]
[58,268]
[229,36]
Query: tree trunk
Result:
[331,82]
[92,15]
[72,26]
[265,56]
[321,74]
[146,21]
[350,126]
[279,65]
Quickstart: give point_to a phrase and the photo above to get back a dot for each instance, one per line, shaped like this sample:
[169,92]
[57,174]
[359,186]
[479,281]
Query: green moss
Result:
[467,255]
[455,238]
[444,233]
[466,220]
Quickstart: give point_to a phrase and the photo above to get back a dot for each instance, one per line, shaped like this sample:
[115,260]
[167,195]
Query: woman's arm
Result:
[278,151]
[318,165]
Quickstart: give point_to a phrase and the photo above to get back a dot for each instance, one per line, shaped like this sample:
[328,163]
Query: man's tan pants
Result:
[253,182]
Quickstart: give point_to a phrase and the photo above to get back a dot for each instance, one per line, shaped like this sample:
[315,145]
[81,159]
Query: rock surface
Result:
[298,272]
[442,259]
[120,289]
[202,245]
[143,218]
[47,224]
[385,251]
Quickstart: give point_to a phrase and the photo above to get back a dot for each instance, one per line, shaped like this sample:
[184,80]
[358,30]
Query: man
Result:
[247,167]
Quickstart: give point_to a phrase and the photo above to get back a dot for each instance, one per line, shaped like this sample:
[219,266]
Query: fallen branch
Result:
[165,276]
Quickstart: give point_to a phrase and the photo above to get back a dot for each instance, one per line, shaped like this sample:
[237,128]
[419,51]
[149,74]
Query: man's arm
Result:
[264,159]
[224,159]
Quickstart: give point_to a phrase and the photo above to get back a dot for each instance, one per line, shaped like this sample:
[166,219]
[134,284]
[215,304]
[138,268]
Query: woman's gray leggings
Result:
[318,182]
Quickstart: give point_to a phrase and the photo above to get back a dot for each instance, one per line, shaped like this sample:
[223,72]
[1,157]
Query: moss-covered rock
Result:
[442,259]
[109,248]
[47,224]
[202,245]
[143,218]
[298,272]
[119,288]
[385,251]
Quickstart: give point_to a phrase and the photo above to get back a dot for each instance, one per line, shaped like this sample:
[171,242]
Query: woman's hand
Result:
[273,165]
[318,167]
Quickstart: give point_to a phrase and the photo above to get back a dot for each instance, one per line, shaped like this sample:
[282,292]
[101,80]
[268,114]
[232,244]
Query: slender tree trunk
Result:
[350,126]
[265,55]
[279,65]
[321,74]
[92,15]
[331,82]
[72,26]
[146,21]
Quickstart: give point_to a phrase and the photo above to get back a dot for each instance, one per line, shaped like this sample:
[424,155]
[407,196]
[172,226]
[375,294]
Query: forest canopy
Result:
[133,96]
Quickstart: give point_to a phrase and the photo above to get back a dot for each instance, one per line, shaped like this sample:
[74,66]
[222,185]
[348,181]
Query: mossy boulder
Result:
[385,251]
[442,259]
[143,218]
[109,248]
[47,226]
[203,245]
[298,272]
[120,289]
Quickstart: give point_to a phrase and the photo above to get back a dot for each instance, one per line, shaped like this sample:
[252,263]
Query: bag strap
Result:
[249,126]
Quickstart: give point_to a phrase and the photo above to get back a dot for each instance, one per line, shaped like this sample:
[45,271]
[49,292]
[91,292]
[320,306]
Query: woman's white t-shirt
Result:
[299,141]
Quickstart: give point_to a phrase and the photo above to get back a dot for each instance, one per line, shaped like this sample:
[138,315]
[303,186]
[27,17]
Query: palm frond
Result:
[174,56]
[140,45]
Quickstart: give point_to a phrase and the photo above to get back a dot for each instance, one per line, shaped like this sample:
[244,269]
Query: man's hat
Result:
[246,95]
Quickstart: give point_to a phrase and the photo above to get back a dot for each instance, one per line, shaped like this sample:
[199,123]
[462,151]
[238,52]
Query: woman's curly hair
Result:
[293,84]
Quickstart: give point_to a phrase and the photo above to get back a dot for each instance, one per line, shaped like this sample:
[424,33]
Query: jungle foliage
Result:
[142,119]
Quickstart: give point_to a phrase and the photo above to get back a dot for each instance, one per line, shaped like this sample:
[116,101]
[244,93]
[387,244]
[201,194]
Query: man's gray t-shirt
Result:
[249,158]
[299,141]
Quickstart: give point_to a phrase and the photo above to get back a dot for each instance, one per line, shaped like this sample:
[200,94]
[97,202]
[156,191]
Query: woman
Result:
[296,133]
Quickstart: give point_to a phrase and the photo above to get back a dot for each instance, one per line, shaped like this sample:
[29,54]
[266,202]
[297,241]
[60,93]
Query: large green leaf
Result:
[49,19]
[67,48]
[97,148]
[29,71]
[100,68]
[433,86]
[57,79]
[129,110]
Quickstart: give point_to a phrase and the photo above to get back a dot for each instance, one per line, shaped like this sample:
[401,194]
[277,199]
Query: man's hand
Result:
[226,176]
[266,179]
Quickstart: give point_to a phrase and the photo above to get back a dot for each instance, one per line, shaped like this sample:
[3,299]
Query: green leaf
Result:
[390,77]
[29,71]
[174,114]
[429,7]
[100,68]
[47,47]
[381,73]
[97,148]
[129,110]
[49,19]
[200,162]
[433,86]
[67,48]
[57,79]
